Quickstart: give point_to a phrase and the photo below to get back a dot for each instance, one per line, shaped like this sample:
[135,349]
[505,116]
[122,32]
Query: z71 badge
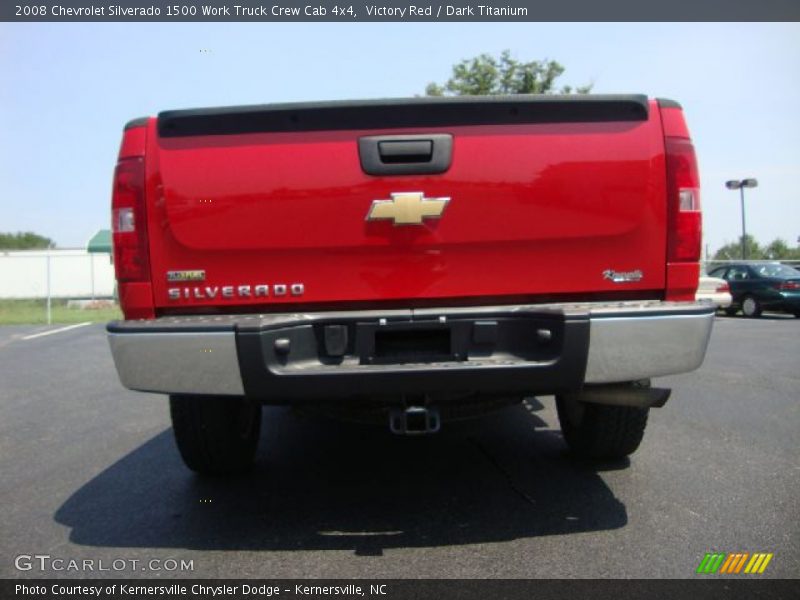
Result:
[186,275]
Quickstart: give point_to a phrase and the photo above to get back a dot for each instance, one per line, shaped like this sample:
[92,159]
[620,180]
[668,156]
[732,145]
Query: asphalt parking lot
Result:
[90,471]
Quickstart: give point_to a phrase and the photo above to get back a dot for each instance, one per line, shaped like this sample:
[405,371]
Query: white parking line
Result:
[59,330]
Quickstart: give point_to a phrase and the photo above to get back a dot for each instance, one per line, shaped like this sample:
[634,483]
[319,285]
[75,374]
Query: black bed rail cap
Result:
[137,122]
[667,103]
[393,113]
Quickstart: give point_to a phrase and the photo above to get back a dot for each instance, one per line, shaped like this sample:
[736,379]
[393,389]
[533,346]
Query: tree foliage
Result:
[26,240]
[778,249]
[486,75]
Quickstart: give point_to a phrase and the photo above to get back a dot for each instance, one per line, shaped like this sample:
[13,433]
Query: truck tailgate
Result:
[546,198]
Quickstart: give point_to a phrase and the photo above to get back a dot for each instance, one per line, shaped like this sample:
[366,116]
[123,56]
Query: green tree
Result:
[733,250]
[26,240]
[486,75]
[778,249]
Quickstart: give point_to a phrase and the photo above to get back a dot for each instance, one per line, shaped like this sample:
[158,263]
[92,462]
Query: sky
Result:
[67,89]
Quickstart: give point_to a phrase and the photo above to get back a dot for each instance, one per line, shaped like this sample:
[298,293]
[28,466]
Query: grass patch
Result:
[34,312]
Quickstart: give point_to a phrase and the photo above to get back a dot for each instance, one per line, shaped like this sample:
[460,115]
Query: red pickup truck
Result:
[416,259]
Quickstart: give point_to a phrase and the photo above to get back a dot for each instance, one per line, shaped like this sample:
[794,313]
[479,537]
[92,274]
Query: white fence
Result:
[58,273]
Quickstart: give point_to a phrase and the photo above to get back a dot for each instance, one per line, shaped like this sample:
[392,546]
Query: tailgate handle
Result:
[405,151]
[405,154]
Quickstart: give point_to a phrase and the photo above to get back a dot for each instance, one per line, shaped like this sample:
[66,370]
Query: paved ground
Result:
[90,471]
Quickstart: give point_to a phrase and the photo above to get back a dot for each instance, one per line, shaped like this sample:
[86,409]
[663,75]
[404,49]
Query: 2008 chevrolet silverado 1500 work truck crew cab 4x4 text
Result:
[413,260]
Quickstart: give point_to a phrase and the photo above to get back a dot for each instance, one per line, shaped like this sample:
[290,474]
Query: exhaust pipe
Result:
[414,420]
[624,395]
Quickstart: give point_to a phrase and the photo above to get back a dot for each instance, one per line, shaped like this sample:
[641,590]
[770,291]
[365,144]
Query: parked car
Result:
[714,290]
[756,287]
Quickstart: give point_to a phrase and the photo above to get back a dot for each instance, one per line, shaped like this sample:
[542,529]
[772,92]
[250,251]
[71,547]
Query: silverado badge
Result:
[407,208]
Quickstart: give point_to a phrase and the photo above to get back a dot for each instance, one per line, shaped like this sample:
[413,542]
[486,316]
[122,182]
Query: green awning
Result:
[100,242]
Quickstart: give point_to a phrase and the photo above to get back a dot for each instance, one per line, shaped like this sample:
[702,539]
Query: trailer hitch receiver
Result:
[414,420]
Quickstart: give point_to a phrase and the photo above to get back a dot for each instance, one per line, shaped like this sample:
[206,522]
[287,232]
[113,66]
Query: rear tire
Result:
[751,307]
[601,432]
[216,435]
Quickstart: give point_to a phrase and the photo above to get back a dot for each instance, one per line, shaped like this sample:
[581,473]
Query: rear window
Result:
[738,273]
[777,271]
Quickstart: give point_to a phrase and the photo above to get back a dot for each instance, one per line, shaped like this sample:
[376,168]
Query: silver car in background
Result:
[714,290]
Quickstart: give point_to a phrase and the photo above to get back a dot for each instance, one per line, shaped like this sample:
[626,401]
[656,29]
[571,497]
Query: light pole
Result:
[740,184]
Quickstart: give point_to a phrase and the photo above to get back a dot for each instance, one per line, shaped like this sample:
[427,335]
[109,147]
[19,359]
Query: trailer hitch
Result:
[414,420]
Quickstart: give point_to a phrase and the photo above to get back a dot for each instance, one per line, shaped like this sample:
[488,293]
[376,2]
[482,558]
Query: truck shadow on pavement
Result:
[327,485]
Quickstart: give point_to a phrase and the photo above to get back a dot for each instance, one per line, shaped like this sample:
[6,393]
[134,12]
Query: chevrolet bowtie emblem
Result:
[407,208]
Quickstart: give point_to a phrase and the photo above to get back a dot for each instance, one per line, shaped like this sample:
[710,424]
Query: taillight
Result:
[723,287]
[788,285]
[684,218]
[131,258]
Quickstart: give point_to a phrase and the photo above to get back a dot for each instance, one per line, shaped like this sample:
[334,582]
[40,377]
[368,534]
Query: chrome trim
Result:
[622,276]
[191,363]
[623,348]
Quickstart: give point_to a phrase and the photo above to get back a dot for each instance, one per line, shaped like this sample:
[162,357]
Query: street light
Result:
[740,184]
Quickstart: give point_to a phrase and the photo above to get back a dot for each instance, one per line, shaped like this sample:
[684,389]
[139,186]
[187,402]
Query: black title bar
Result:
[397,10]
[395,589]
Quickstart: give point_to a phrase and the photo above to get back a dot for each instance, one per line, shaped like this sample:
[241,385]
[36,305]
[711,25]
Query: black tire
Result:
[600,432]
[216,435]
[731,311]
[751,307]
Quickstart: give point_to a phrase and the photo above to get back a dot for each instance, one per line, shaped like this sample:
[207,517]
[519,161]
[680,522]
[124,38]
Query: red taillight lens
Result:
[788,286]
[724,287]
[131,258]
[684,219]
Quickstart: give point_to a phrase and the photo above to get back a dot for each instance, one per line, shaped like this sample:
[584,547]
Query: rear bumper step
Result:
[281,358]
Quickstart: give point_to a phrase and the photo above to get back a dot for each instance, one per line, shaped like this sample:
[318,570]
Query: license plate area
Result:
[459,340]
[412,345]
[407,342]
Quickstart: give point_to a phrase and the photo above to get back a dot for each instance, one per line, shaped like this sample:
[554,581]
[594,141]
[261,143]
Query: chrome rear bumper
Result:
[631,347]
[609,343]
